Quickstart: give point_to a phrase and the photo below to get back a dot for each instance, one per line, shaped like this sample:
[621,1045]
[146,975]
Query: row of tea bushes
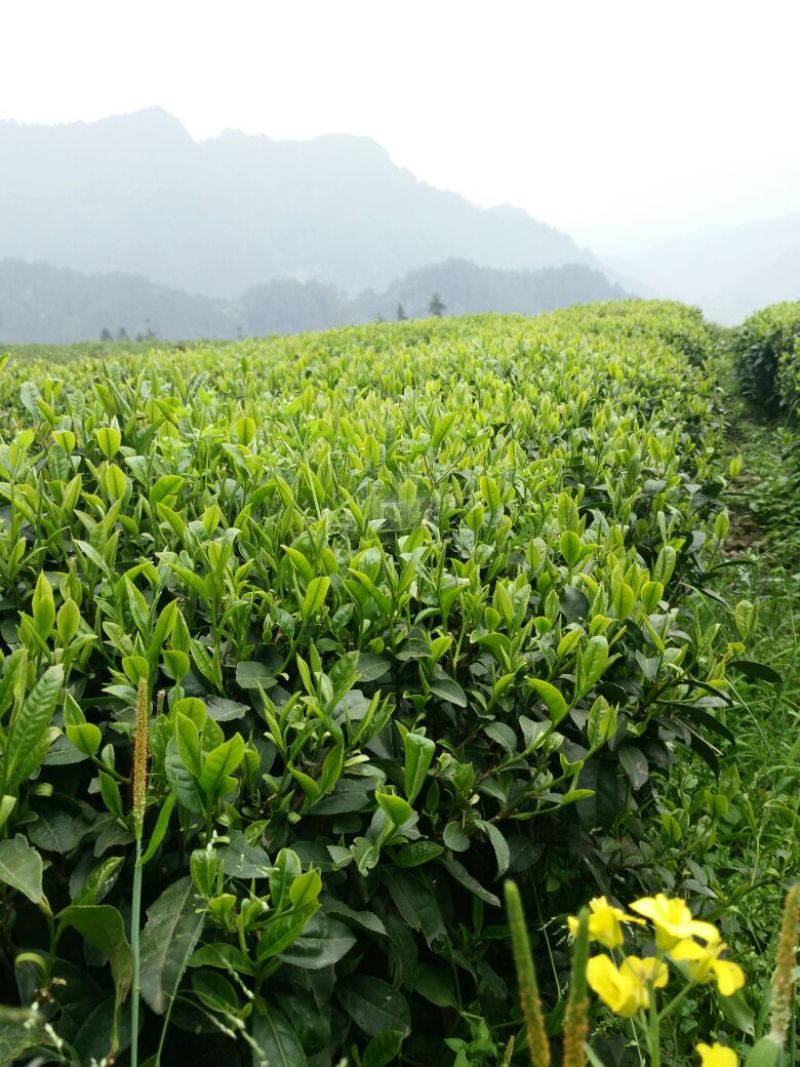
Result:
[406,609]
[767,354]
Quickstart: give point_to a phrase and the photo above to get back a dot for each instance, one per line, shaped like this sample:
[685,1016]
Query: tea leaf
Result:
[29,728]
[21,867]
[173,927]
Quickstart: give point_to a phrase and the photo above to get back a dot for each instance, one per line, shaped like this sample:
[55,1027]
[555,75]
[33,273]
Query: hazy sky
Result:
[618,121]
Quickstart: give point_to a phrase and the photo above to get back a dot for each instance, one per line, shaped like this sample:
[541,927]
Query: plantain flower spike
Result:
[783,979]
[768,1052]
[538,1044]
[140,725]
[576,1019]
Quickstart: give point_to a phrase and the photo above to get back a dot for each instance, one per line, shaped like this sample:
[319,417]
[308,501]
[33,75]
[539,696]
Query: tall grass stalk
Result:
[538,1044]
[139,804]
[576,1019]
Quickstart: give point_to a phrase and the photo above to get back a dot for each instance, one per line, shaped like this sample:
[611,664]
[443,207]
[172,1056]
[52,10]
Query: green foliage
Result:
[767,353]
[415,607]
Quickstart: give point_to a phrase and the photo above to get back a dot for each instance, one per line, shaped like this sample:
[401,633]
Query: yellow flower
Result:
[604,923]
[673,920]
[717,1055]
[650,971]
[704,965]
[622,990]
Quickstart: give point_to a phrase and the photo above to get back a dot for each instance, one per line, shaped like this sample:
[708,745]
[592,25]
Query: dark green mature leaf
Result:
[323,942]
[55,830]
[93,1040]
[251,675]
[574,604]
[276,1041]
[181,780]
[216,992]
[455,837]
[448,689]
[221,709]
[462,875]
[382,1049]
[634,763]
[416,853]
[436,984]
[414,896]
[739,1013]
[101,925]
[373,1005]
[371,668]
[174,924]
[221,954]
[243,860]
[499,844]
[20,1029]
[21,867]
[361,920]
[762,671]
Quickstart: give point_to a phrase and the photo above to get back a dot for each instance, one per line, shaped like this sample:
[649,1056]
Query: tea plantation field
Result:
[307,644]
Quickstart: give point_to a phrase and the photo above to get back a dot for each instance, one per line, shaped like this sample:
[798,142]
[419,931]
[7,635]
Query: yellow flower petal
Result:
[729,976]
[673,921]
[622,992]
[604,923]
[704,964]
[649,970]
[717,1055]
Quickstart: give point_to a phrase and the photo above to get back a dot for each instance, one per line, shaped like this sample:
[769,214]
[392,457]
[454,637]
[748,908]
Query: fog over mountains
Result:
[730,271]
[135,193]
[129,222]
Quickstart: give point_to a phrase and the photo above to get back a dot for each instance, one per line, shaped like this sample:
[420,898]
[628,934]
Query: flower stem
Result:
[136,915]
[654,1034]
[667,1009]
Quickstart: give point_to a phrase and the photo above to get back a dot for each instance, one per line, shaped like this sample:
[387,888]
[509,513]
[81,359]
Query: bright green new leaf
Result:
[551,698]
[419,751]
[315,596]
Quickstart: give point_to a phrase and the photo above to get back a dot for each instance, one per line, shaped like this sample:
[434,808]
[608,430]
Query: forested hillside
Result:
[46,304]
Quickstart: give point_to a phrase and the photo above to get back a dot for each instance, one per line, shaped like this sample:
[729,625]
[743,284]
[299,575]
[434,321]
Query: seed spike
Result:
[576,1019]
[783,978]
[140,757]
[538,1044]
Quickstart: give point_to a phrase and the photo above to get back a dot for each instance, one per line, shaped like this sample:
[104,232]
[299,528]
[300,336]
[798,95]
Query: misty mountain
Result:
[47,304]
[136,194]
[729,271]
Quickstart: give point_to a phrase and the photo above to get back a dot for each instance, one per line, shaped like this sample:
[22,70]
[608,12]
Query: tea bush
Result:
[384,614]
[767,356]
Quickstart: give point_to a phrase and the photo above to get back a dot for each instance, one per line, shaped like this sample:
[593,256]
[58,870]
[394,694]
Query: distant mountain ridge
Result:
[730,271]
[136,194]
[53,305]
